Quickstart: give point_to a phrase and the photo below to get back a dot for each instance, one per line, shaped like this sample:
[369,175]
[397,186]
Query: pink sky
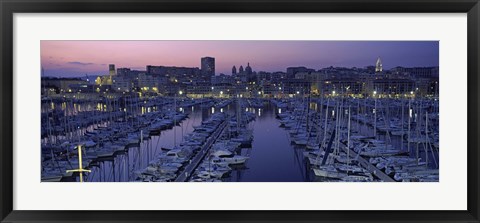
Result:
[70,58]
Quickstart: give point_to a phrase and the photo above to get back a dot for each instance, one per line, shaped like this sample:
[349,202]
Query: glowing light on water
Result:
[373,111]
[221,109]
[279,111]
[259,112]
[410,112]
[181,109]
[333,112]
[193,109]
[213,110]
[246,109]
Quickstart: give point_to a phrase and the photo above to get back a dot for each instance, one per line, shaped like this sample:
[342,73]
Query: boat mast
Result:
[409,120]
[80,169]
[348,140]
[402,133]
[426,138]
[375,116]
[325,126]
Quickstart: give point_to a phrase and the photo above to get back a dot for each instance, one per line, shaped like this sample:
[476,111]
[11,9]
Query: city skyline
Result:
[77,58]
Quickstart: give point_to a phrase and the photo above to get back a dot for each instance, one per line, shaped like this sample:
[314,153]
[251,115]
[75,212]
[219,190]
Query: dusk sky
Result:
[77,58]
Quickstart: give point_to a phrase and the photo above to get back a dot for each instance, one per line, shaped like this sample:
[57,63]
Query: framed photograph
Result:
[239,111]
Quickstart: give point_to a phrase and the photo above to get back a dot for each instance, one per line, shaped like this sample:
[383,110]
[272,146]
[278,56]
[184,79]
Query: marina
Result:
[230,140]
[191,117]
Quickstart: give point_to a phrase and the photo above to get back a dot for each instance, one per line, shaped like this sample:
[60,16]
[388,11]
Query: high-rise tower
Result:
[378,66]
[111,68]
[208,66]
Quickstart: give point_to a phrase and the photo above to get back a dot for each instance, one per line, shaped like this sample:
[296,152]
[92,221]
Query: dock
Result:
[368,166]
[188,171]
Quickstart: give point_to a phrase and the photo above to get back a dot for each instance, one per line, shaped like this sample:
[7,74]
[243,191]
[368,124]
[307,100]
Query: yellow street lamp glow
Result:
[180,92]
[298,92]
[221,92]
[259,92]
[374,92]
[80,169]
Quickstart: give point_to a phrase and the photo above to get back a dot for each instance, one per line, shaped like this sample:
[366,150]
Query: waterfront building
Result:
[122,83]
[83,88]
[147,82]
[278,76]
[222,79]
[104,80]
[199,89]
[263,76]
[393,87]
[123,71]
[291,71]
[61,84]
[295,87]
[223,90]
[175,73]
[234,70]
[417,72]
[342,86]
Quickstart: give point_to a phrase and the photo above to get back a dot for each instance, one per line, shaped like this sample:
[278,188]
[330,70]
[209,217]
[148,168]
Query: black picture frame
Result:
[9,7]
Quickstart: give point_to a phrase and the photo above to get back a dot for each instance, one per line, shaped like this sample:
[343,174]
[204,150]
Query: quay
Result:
[368,166]
[188,171]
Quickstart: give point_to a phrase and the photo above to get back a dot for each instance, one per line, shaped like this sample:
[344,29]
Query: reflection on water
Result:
[272,157]
[124,166]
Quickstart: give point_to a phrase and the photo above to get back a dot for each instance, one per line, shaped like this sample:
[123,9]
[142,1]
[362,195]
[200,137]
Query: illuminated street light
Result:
[180,92]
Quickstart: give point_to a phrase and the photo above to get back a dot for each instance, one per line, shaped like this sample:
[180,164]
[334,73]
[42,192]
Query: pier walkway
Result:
[188,171]
[368,166]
